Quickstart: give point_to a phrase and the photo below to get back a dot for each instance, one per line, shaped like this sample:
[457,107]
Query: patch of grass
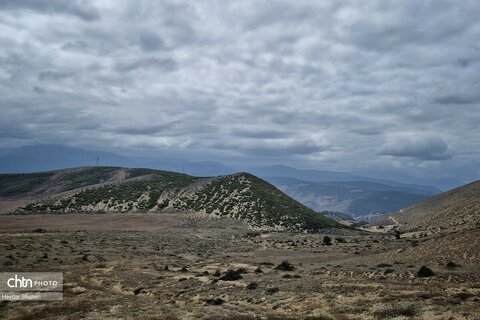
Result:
[384,265]
[215,301]
[396,310]
[327,240]
[19,184]
[451,265]
[272,290]
[231,275]
[56,310]
[87,177]
[252,286]
[285,266]
[340,240]
[425,272]
[464,295]
[388,270]
[320,315]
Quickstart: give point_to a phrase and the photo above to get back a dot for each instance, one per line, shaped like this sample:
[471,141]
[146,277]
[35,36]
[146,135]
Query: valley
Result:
[149,244]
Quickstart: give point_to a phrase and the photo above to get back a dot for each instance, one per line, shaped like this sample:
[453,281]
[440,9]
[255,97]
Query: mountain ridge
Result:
[43,157]
[356,198]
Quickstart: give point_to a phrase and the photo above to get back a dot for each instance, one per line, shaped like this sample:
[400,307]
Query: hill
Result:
[458,209]
[357,198]
[110,189]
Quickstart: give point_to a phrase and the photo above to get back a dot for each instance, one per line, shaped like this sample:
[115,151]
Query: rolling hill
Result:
[110,189]
[458,209]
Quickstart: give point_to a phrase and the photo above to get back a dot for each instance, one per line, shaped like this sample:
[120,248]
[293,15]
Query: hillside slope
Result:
[458,209]
[109,189]
[53,182]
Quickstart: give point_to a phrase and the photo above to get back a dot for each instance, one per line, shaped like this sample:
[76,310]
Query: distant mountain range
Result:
[38,158]
[110,189]
[319,189]
[51,157]
[279,171]
[357,198]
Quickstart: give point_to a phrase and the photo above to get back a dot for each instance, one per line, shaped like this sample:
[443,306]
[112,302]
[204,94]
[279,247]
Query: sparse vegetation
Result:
[130,265]
[215,301]
[241,196]
[425,272]
[272,290]
[320,315]
[231,275]
[327,240]
[252,286]
[451,265]
[396,310]
[20,184]
[285,266]
[255,201]
[219,268]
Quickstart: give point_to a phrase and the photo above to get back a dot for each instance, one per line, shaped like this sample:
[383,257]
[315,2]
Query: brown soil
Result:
[165,267]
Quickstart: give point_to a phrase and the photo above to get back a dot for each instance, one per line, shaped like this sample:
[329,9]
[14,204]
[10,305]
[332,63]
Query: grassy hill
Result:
[110,189]
[247,197]
[51,182]
[458,209]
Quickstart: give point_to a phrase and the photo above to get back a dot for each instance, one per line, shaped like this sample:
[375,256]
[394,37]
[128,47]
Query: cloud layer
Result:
[343,85]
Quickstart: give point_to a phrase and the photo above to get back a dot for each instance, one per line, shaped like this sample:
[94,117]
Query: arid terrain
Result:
[164,266]
[239,160]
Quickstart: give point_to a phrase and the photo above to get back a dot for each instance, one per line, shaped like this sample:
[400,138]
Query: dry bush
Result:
[396,310]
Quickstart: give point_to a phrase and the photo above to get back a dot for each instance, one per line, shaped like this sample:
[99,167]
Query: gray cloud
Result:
[169,129]
[260,133]
[275,148]
[458,99]
[339,85]
[38,90]
[416,146]
[53,75]
[167,65]
[72,7]
[149,41]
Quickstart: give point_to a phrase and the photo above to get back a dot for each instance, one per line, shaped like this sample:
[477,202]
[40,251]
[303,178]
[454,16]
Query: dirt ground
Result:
[169,267]
[97,222]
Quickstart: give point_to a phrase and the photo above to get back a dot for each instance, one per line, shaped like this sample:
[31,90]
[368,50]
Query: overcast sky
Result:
[344,85]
